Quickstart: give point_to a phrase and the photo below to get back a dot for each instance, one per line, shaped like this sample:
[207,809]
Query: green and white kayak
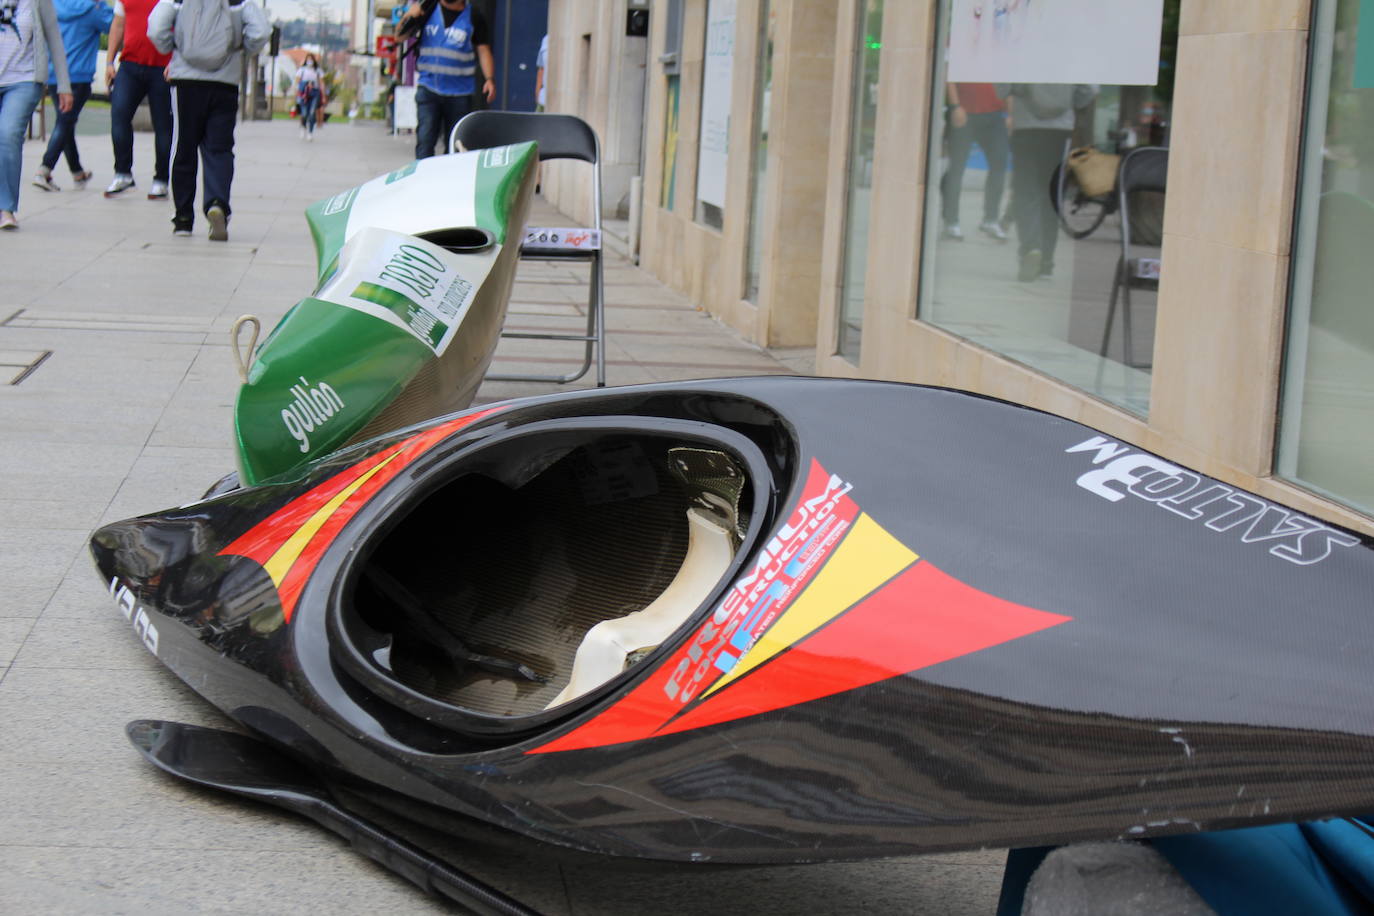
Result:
[414,272]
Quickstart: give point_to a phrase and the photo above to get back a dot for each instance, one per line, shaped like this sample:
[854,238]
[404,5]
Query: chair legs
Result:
[1111,307]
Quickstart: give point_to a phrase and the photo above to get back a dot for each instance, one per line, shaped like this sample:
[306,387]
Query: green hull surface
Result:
[414,272]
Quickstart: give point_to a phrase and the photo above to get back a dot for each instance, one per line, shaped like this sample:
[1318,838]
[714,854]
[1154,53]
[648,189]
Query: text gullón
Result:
[310,408]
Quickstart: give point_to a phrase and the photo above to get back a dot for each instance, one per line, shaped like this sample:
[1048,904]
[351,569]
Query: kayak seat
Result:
[611,646]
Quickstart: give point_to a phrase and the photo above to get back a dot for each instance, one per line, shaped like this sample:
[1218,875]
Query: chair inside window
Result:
[559,136]
[1143,169]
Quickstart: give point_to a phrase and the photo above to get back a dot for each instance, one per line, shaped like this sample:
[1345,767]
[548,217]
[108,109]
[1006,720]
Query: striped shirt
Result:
[16,42]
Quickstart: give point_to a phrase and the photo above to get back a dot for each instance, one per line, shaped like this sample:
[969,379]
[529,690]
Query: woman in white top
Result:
[29,38]
[309,94]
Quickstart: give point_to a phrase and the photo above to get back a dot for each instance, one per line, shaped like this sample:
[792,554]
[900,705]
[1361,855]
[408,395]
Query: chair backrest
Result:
[560,136]
[1145,168]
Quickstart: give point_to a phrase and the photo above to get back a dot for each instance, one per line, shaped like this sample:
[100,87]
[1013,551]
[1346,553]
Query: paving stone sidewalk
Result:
[116,387]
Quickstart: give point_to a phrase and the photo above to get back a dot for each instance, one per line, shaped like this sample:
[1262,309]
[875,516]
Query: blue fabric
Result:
[310,106]
[17,102]
[447,60]
[1319,868]
[132,83]
[82,22]
[63,137]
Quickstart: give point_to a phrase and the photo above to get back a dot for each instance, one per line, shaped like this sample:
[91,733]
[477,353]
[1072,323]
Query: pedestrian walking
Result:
[207,40]
[29,38]
[309,92]
[141,74]
[454,45]
[81,23]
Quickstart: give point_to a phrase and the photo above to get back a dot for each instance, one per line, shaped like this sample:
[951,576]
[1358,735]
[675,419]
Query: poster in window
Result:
[713,150]
[1113,42]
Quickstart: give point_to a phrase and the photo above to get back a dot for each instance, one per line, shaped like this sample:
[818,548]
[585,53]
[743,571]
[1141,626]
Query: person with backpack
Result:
[207,40]
[1041,118]
[82,22]
[454,47]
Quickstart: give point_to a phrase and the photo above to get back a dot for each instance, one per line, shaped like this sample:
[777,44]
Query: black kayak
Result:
[771,620]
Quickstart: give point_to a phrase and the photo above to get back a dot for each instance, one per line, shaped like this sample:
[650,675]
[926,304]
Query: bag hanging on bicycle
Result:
[1094,170]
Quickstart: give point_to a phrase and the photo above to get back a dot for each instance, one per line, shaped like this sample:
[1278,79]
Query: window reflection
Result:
[1327,421]
[1029,247]
[862,130]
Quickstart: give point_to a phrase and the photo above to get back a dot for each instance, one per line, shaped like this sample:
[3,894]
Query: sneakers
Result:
[990,228]
[79,179]
[44,180]
[158,191]
[302,132]
[181,229]
[952,231]
[7,220]
[1029,268]
[120,184]
[219,223]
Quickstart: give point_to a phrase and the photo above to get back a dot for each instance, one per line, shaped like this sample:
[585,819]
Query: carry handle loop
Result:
[244,364]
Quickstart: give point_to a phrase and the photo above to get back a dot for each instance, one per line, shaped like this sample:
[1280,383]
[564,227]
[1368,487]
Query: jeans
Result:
[436,115]
[132,83]
[63,137]
[206,112]
[310,106]
[990,131]
[17,102]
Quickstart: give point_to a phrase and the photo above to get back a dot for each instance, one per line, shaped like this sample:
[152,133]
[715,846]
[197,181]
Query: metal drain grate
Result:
[21,363]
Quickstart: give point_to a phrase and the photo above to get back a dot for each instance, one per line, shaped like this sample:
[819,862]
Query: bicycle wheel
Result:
[1079,214]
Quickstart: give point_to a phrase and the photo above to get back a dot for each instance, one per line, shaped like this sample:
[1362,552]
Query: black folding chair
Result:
[559,136]
[1142,169]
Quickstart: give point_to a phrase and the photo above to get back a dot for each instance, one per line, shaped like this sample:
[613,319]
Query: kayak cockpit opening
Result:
[534,572]
[461,239]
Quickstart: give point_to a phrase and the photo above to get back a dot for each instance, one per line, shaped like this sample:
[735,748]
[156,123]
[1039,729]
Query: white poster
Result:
[714,145]
[1055,41]
[407,116]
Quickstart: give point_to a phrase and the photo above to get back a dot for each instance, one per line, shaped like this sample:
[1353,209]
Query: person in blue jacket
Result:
[454,50]
[81,22]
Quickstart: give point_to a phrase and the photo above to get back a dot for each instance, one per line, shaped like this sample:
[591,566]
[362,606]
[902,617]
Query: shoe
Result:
[219,223]
[120,184]
[79,179]
[310,137]
[990,227]
[158,191]
[1047,271]
[952,231]
[44,180]
[181,229]
[1029,268]
[7,220]
[302,133]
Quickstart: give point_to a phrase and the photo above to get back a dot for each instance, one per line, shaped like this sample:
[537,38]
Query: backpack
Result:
[206,33]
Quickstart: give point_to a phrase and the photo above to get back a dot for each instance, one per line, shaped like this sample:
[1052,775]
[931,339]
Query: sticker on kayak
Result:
[408,282]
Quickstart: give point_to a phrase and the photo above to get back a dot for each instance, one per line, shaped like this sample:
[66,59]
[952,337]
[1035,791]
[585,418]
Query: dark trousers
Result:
[63,138]
[436,114]
[990,132]
[206,112]
[1035,154]
[134,82]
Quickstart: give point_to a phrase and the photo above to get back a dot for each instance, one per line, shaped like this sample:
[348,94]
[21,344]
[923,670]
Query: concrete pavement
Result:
[116,386]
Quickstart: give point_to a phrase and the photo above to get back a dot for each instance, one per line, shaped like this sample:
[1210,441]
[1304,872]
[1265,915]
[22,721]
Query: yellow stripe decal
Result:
[866,558]
[281,562]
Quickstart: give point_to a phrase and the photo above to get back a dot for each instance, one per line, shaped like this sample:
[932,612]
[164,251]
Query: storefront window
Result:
[1327,420]
[1028,250]
[862,131]
[762,106]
